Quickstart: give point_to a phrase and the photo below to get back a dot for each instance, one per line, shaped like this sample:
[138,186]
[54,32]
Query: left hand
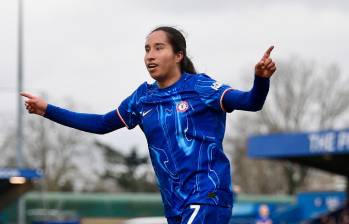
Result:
[265,67]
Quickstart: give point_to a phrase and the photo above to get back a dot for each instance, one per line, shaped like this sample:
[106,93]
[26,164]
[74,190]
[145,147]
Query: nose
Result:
[150,56]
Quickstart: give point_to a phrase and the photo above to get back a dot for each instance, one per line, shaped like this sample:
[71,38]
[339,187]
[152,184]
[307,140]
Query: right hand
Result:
[34,104]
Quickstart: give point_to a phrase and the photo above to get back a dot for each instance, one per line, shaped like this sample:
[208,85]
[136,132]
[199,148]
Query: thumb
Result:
[30,101]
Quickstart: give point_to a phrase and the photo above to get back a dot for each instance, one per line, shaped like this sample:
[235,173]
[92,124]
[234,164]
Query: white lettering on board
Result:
[343,141]
[322,142]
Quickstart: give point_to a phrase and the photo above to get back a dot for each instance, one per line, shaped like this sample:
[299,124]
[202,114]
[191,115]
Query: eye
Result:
[147,49]
[160,47]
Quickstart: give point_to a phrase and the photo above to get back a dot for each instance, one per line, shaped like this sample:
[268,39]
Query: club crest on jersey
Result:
[182,106]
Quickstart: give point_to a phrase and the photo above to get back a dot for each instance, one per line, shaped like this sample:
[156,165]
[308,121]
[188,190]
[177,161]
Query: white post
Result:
[19,142]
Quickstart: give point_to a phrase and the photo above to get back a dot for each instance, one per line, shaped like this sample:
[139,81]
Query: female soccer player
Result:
[182,115]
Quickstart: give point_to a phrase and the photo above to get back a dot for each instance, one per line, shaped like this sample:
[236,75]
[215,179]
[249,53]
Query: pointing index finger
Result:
[267,53]
[28,95]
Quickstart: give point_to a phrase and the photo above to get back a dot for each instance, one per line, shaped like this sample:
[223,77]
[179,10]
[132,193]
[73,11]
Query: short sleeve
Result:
[210,91]
[129,109]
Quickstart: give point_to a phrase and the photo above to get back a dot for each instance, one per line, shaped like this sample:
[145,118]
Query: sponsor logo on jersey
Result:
[146,112]
[182,106]
[216,85]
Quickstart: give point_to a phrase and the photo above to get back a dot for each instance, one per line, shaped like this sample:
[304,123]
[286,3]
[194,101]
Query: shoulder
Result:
[142,88]
[194,81]
[210,91]
[140,91]
[203,77]
[204,82]
[198,77]
[136,95]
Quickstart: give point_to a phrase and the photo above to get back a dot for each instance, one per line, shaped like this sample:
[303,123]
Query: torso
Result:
[184,131]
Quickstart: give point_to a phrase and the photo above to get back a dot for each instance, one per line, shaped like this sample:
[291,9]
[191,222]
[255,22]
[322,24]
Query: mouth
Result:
[152,66]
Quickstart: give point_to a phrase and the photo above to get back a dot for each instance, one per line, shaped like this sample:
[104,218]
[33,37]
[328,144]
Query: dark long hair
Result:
[178,44]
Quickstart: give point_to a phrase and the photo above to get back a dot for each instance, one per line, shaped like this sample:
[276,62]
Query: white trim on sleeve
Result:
[122,120]
[221,99]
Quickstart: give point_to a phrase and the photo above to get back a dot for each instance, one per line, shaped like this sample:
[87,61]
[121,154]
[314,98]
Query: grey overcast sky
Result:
[91,51]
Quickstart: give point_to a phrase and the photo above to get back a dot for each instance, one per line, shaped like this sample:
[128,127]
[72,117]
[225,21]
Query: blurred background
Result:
[87,56]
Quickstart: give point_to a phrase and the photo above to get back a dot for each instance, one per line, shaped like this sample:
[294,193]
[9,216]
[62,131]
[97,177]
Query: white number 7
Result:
[196,210]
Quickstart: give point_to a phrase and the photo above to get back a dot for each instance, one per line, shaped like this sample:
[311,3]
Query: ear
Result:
[179,56]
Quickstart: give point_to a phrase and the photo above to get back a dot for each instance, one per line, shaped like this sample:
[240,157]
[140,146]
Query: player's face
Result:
[159,58]
[264,211]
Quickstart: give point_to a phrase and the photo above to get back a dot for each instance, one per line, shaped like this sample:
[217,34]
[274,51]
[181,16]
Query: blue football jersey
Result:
[184,125]
[263,220]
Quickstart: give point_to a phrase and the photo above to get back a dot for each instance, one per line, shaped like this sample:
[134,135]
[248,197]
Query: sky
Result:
[90,52]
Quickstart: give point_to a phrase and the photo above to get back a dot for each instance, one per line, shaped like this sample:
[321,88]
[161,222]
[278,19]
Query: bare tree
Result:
[74,160]
[66,156]
[7,158]
[131,172]
[303,97]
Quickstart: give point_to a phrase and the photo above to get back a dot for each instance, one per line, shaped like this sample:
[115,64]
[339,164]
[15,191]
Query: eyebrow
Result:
[156,44]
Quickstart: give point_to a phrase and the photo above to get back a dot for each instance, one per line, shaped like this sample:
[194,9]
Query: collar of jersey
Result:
[156,95]
[173,86]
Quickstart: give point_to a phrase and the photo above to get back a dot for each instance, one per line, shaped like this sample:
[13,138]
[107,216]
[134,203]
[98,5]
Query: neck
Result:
[170,79]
